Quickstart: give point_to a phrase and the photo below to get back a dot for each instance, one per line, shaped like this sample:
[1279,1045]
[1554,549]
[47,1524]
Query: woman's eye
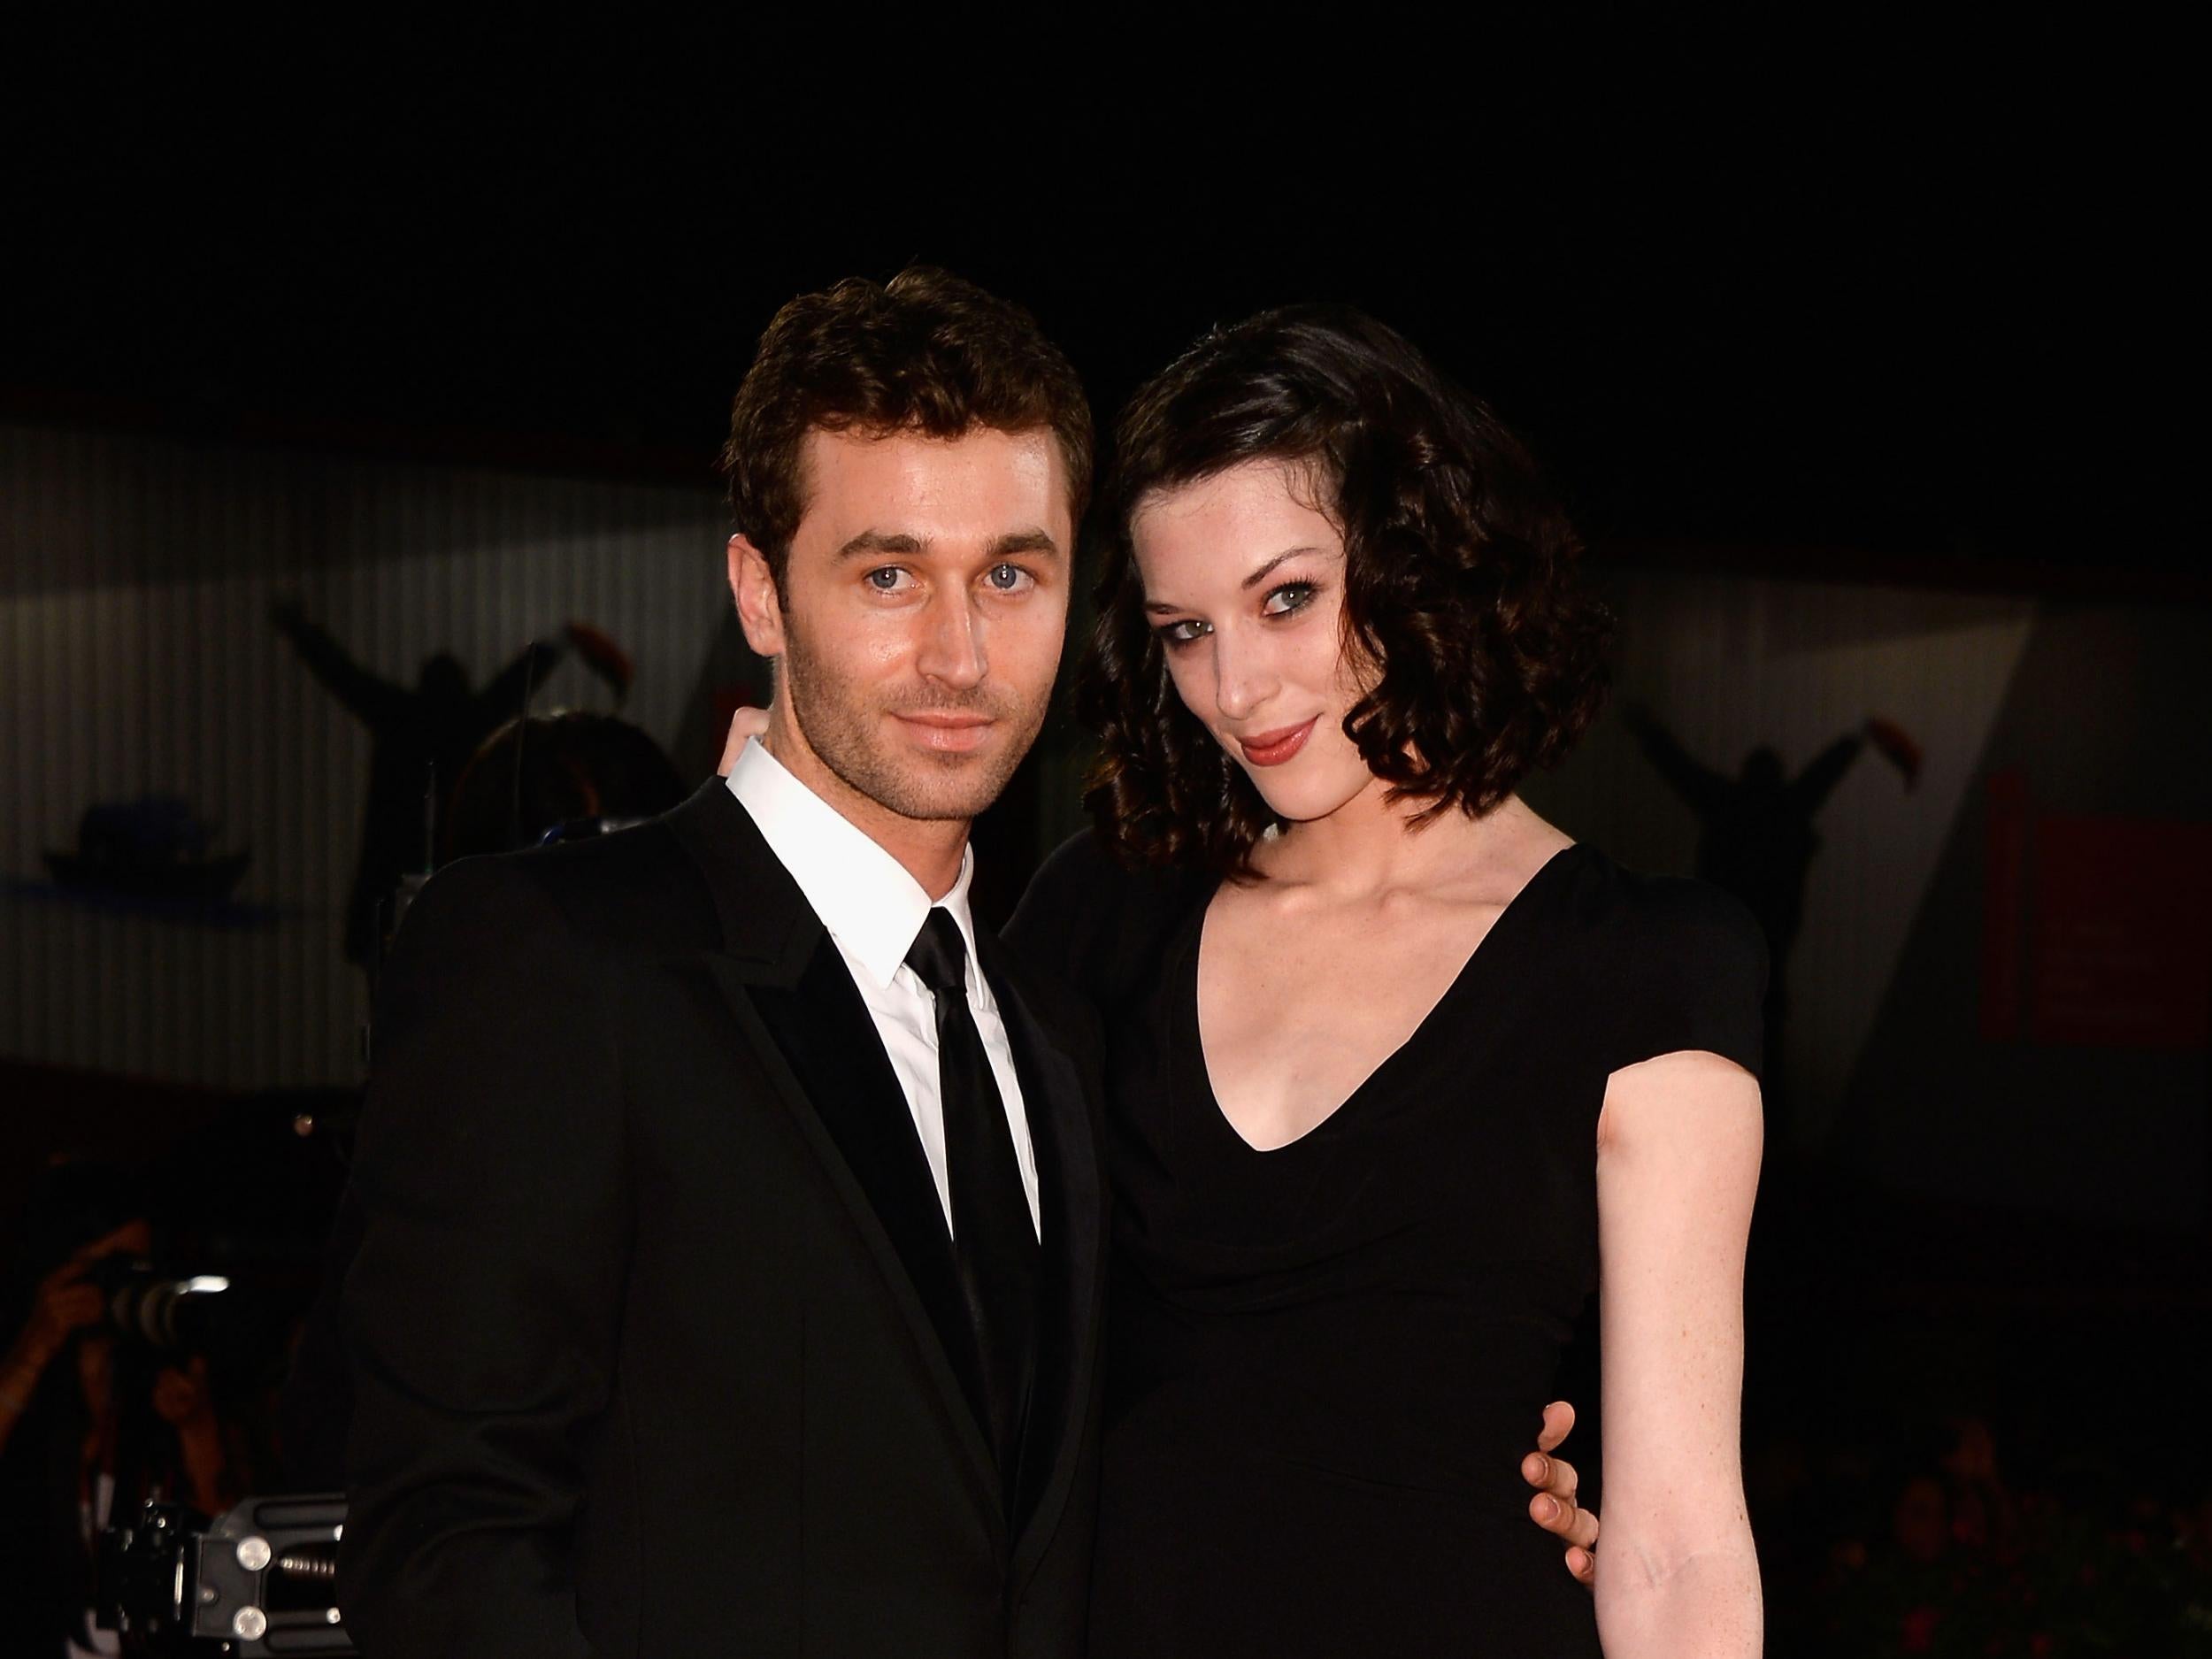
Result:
[1184,631]
[1009,578]
[888,580]
[1289,597]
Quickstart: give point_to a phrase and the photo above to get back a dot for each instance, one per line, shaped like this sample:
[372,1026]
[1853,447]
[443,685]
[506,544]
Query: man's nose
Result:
[952,642]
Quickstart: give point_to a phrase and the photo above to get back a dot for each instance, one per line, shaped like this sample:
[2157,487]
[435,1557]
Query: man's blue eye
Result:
[1007,577]
[885,579]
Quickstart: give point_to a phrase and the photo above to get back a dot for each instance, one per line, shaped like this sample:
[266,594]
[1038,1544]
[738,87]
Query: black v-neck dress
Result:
[1325,1362]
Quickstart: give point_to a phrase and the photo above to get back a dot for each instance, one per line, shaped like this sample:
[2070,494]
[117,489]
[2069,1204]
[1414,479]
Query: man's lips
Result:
[1272,748]
[950,732]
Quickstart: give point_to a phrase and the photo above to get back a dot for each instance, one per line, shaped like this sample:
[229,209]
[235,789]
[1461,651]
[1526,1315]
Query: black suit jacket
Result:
[652,1323]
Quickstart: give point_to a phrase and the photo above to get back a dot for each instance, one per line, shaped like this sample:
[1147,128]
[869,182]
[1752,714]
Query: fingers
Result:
[1579,1527]
[1555,1511]
[1563,1517]
[62,1310]
[1552,1475]
[136,1237]
[1553,1507]
[79,1305]
[744,724]
[71,1299]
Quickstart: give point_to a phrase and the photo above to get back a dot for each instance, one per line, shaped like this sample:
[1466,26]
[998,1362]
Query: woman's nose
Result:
[1243,681]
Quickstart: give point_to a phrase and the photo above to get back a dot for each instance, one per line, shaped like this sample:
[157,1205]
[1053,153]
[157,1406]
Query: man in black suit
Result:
[731,1221]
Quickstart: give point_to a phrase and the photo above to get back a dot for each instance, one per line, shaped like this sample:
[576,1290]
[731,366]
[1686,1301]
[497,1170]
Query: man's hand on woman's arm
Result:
[1554,1508]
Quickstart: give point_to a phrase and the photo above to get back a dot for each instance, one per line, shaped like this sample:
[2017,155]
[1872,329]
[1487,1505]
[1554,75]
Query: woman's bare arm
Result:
[1678,1145]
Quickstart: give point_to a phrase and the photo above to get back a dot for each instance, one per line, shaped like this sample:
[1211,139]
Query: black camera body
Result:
[256,1580]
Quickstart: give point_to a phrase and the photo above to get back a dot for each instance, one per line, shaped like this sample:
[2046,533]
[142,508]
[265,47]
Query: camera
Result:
[256,1580]
[169,1313]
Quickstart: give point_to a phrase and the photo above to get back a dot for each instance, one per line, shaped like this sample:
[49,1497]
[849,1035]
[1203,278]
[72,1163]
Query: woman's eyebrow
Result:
[1268,569]
[1160,607]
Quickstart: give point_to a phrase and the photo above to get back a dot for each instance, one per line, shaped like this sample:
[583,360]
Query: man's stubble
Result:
[845,732]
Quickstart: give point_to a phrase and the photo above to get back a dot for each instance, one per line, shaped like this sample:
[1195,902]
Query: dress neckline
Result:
[1186,1010]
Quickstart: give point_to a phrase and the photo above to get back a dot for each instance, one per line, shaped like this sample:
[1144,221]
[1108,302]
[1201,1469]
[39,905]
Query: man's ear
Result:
[759,607]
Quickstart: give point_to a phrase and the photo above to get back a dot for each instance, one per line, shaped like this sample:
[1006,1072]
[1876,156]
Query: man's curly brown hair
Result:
[1461,593]
[927,352]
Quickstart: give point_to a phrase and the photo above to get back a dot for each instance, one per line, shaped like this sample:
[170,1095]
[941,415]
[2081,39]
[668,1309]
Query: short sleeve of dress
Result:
[1094,924]
[1691,974]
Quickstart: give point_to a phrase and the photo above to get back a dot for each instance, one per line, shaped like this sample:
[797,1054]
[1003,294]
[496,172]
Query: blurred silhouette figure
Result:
[1756,839]
[422,738]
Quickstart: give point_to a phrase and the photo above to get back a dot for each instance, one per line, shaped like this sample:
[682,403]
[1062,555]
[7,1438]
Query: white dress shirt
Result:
[874,909]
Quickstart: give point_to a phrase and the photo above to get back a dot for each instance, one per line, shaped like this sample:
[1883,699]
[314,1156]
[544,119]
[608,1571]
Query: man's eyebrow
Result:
[1023,541]
[1268,569]
[877,542]
[903,545]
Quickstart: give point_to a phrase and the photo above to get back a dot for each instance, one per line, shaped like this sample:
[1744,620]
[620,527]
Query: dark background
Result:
[1887,285]
[1849,296]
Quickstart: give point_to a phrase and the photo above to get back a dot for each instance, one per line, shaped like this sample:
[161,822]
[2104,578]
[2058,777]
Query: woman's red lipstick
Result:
[1272,748]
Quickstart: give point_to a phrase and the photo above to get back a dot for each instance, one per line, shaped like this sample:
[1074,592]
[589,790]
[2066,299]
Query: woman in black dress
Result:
[1398,1075]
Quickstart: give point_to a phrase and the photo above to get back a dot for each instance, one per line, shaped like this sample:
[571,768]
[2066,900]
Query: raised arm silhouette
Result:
[1756,838]
[421,736]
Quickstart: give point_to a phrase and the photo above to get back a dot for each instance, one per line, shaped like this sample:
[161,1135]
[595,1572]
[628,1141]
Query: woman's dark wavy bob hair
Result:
[1461,582]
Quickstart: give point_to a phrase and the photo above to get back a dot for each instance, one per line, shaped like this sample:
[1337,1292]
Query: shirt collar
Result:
[866,899]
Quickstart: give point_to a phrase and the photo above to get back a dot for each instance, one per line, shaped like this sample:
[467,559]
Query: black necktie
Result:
[994,1246]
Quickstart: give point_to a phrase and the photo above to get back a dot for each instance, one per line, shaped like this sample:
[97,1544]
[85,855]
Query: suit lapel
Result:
[788,990]
[1072,1204]
[827,1034]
